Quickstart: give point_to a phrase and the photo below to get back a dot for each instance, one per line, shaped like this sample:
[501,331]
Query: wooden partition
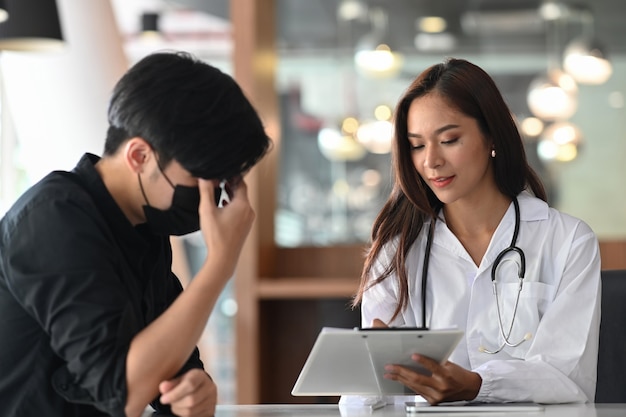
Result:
[254,60]
[613,254]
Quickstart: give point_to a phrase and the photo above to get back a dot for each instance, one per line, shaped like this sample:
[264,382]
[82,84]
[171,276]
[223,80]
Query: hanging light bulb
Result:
[584,58]
[586,61]
[374,57]
[379,62]
[4,14]
[563,133]
[532,127]
[553,96]
[560,141]
[349,10]
[337,146]
[376,136]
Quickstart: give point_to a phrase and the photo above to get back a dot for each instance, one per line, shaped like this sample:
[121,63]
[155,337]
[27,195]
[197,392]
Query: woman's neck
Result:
[474,222]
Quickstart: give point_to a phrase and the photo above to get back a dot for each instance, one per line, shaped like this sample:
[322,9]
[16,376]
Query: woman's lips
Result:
[441,182]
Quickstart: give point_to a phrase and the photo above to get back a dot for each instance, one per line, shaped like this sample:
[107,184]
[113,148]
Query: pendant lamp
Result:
[33,25]
[586,60]
[374,57]
[4,15]
[553,96]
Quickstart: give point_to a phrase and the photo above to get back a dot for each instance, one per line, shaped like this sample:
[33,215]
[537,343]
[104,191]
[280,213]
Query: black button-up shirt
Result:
[77,283]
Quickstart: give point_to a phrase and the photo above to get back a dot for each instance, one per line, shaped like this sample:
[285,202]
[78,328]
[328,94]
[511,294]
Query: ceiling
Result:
[476,25]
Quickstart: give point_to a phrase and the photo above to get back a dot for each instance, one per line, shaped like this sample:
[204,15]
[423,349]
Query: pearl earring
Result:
[493,153]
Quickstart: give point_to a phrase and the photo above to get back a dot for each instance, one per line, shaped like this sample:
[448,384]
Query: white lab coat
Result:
[559,304]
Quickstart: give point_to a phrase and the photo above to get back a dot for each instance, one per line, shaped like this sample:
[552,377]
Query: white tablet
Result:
[351,361]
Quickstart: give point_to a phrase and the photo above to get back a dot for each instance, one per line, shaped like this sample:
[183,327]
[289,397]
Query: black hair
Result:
[189,111]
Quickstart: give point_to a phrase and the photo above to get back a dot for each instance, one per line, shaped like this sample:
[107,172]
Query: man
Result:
[92,320]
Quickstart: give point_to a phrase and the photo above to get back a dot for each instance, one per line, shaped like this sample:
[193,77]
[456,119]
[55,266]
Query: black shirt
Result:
[77,282]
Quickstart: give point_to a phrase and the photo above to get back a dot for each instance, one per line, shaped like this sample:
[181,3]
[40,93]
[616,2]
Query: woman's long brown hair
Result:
[473,92]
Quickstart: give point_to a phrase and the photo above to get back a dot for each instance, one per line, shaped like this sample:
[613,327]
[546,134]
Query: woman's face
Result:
[448,150]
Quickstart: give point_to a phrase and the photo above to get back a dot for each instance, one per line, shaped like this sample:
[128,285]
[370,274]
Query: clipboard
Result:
[351,361]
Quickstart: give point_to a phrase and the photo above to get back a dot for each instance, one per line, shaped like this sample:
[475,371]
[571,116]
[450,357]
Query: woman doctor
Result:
[521,279]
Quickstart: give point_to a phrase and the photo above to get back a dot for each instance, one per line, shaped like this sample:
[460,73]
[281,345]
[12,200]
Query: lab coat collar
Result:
[531,209]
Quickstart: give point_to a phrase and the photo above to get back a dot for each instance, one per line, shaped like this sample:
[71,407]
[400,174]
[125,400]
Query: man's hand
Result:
[225,229]
[192,394]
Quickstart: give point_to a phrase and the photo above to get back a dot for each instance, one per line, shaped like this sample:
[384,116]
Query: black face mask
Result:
[181,218]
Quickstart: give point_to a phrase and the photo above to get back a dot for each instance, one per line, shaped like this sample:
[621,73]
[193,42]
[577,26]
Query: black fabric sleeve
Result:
[66,272]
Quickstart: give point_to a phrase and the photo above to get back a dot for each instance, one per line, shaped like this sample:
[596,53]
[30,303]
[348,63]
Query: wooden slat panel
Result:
[613,254]
[325,262]
[307,288]
[254,62]
[347,261]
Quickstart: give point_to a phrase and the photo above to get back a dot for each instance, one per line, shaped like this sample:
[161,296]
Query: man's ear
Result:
[137,152]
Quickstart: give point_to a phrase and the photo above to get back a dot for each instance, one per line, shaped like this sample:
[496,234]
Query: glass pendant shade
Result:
[379,62]
[553,96]
[374,57]
[560,141]
[336,146]
[586,61]
[4,14]
[376,136]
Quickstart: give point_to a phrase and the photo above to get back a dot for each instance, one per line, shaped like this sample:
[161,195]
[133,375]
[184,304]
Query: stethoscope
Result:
[506,335]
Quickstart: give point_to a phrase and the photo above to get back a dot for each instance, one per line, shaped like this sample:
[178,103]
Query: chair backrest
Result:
[611,387]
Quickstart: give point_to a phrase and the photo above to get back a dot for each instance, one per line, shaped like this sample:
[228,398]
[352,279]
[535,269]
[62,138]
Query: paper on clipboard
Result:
[351,361]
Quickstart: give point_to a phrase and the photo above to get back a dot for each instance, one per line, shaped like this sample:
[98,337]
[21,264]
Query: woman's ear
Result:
[137,152]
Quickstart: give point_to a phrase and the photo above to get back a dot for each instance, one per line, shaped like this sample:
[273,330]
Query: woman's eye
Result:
[416,147]
[449,141]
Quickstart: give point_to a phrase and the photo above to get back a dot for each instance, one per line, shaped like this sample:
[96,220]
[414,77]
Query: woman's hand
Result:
[447,382]
[378,323]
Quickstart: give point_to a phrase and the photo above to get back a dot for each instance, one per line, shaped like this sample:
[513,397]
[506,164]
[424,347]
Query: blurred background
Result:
[325,76]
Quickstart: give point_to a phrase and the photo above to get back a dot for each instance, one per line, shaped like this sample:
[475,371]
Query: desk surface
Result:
[332,410]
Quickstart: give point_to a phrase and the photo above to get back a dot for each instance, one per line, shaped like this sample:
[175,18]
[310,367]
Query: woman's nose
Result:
[432,157]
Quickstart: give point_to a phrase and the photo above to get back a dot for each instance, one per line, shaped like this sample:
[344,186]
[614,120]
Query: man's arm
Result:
[179,328]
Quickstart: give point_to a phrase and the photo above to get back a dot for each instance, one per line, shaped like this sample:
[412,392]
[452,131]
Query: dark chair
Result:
[611,387]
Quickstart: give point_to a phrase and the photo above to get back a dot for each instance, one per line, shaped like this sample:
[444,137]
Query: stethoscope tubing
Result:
[521,273]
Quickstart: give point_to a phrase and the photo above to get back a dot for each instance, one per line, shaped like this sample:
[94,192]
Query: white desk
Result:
[331,410]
